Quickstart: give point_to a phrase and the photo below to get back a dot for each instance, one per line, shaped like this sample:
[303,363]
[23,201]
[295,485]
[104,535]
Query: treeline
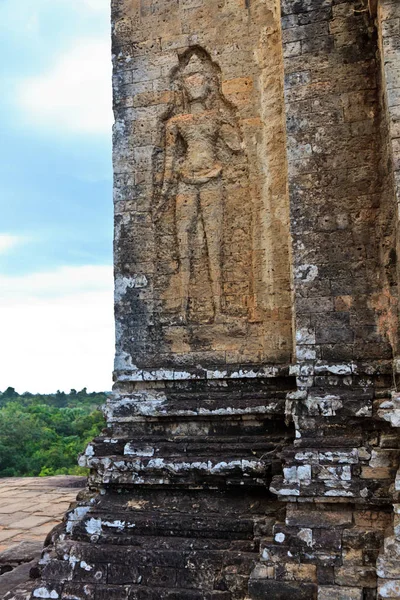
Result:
[42,434]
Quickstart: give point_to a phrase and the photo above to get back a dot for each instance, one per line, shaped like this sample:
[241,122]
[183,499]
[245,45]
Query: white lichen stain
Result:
[73,560]
[123,361]
[89,450]
[340,457]
[390,589]
[323,405]
[119,127]
[339,493]
[184,375]
[285,491]
[305,335]
[132,450]
[305,535]
[265,555]
[75,516]
[120,525]
[93,526]
[364,411]
[145,404]
[45,558]
[306,273]
[123,284]
[340,369]
[43,592]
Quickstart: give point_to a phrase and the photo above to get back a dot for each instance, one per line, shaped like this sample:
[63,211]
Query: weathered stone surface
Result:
[16,584]
[19,553]
[339,593]
[200,180]
[280,590]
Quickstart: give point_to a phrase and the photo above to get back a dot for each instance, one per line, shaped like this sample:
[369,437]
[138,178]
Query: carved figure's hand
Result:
[231,136]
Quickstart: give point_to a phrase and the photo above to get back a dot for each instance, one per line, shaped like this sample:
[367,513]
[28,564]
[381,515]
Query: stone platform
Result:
[29,509]
[31,506]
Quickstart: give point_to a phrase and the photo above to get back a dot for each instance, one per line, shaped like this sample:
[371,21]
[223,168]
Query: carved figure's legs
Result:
[211,204]
[186,219]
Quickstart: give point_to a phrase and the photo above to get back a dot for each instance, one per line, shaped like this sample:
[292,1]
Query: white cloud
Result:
[24,17]
[102,6]
[57,330]
[75,94]
[8,242]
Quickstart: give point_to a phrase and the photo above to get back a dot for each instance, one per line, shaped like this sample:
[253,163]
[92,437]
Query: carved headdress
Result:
[195,65]
[195,60]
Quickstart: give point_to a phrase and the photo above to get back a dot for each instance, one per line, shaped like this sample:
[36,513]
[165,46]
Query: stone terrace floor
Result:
[31,506]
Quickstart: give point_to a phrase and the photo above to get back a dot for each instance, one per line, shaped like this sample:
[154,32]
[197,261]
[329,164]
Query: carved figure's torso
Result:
[200,134]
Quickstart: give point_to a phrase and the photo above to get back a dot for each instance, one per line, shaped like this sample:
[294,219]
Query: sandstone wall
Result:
[209,282]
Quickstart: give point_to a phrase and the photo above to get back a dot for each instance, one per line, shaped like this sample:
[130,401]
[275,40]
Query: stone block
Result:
[387,567]
[339,593]
[389,589]
[280,590]
[302,517]
[304,573]
[359,538]
[372,519]
[376,473]
[357,576]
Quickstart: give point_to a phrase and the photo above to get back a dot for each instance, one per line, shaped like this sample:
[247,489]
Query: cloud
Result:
[57,330]
[8,242]
[30,18]
[74,96]
[102,6]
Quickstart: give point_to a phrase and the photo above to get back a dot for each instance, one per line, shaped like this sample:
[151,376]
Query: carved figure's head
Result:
[196,79]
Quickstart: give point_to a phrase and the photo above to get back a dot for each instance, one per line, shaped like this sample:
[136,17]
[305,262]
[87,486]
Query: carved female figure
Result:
[192,167]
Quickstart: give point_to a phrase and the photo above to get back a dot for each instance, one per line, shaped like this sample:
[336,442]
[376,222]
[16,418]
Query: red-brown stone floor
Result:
[31,506]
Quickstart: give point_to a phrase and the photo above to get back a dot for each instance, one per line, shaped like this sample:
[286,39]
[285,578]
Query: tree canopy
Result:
[42,434]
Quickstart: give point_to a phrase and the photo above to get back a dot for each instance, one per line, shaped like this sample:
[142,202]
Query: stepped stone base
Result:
[160,544]
[238,507]
[177,506]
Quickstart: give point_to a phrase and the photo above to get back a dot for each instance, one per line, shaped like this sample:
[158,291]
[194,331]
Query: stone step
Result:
[359,488]
[111,527]
[110,471]
[67,590]
[182,572]
[144,548]
[150,403]
[152,446]
[204,427]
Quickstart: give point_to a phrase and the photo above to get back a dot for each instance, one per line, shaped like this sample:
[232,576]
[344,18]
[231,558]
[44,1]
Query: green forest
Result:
[42,434]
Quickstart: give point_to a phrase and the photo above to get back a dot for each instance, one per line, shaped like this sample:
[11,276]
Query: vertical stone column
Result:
[338,475]
[388,25]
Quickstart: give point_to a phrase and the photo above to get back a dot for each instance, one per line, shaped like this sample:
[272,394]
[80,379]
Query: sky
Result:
[56,305]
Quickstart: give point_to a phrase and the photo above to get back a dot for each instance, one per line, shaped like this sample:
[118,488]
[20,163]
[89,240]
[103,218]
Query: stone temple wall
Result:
[251,448]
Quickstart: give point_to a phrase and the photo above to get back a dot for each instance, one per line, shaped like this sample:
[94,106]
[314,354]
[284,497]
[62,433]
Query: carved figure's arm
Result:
[171,133]
[230,134]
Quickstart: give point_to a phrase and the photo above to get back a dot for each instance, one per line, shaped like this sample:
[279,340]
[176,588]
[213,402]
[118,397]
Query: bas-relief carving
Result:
[202,207]
[206,301]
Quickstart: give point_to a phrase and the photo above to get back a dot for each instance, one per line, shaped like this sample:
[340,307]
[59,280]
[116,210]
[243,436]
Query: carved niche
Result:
[202,205]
